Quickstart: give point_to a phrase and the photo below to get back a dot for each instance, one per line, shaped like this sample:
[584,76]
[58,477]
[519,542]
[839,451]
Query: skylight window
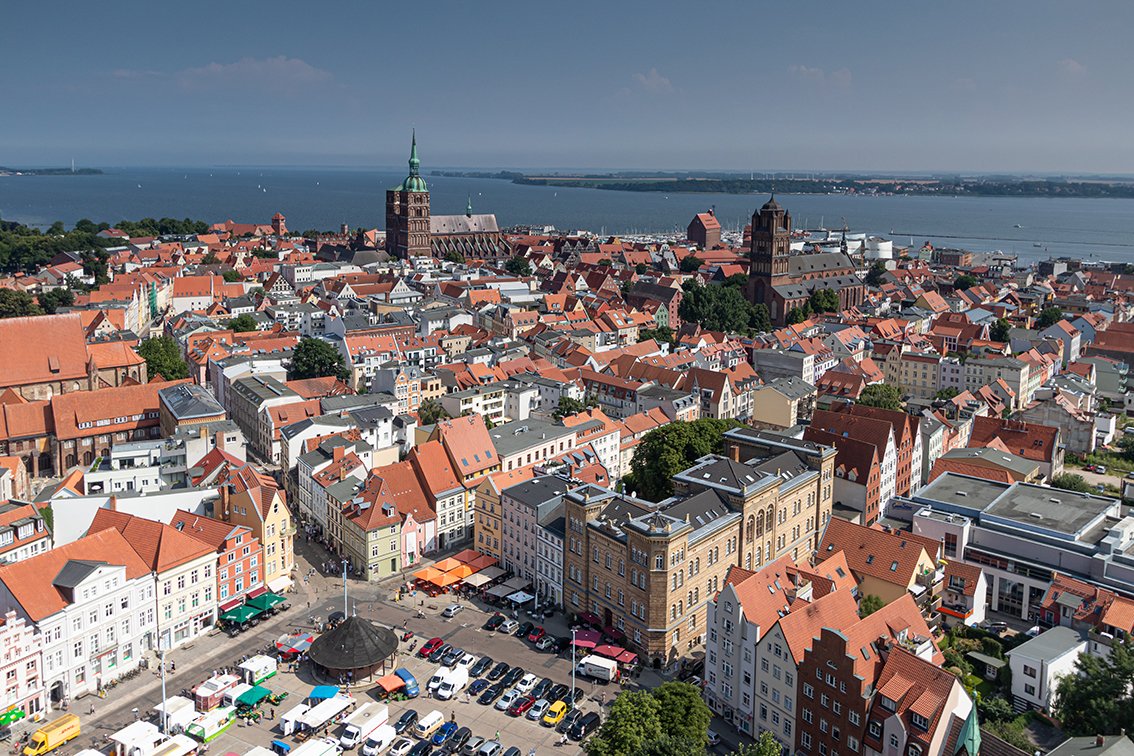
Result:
[893,567]
[870,559]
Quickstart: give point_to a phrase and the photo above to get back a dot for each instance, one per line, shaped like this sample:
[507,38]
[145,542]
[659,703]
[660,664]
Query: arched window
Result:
[697,565]
[750,531]
[760,523]
[690,598]
[659,562]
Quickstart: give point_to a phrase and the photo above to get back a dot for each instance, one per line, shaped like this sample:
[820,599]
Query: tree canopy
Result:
[431,412]
[1049,317]
[17,304]
[669,721]
[163,357]
[1070,482]
[662,335]
[946,393]
[1096,698]
[518,265]
[881,395]
[824,300]
[668,450]
[454,256]
[633,721]
[999,330]
[876,275]
[52,300]
[870,604]
[965,282]
[767,745]
[689,263]
[243,323]
[722,308]
[317,359]
[232,276]
[568,406]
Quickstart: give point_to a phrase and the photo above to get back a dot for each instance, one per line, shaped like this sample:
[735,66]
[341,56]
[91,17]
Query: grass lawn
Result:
[980,685]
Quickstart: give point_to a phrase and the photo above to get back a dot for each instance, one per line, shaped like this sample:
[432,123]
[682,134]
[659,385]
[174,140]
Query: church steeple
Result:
[468,208]
[414,163]
[414,182]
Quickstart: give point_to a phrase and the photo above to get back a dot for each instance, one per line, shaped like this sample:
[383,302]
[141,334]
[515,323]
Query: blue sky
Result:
[803,86]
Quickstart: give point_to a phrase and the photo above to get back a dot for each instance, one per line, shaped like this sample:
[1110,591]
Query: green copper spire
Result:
[413,182]
[969,738]
[468,209]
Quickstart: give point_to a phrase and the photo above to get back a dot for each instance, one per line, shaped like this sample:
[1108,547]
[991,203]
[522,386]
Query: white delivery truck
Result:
[137,738]
[178,713]
[453,684]
[379,741]
[289,721]
[598,667]
[325,712]
[318,747]
[365,720]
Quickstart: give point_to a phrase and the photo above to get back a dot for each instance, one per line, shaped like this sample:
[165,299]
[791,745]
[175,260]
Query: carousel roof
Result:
[354,644]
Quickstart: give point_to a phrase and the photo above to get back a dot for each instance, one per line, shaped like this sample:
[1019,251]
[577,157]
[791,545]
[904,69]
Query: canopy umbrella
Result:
[499,591]
[253,696]
[613,632]
[266,601]
[11,716]
[467,556]
[590,619]
[447,564]
[444,580]
[461,572]
[520,597]
[390,683]
[492,572]
[477,580]
[482,561]
[583,643]
[517,584]
[240,614]
[427,574]
[608,651]
[626,657]
[323,692]
[294,644]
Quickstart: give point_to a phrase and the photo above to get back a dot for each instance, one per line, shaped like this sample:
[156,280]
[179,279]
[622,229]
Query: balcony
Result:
[290,531]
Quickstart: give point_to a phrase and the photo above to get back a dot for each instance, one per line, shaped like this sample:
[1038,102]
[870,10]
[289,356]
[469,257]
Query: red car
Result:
[536,634]
[430,647]
[521,706]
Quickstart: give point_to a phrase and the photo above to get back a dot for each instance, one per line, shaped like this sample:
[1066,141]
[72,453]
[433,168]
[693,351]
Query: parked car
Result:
[539,708]
[713,737]
[536,633]
[477,686]
[1089,468]
[406,721]
[466,661]
[580,694]
[440,652]
[452,610]
[460,737]
[483,664]
[490,694]
[568,720]
[508,626]
[423,748]
[490,748]
[554,714]
[559,692]
[499,671]
[560,645]
[543,687]
[453,656]
[472,746]
[430,646]
[513,751]
[526,683]
[521,705]
[447,731]
[545,642]
[1101,470]
[508,699]
[401,747]
[584,726]
[513,676]
[495,621]
[524,629]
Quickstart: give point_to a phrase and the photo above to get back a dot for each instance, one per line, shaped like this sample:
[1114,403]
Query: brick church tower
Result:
[407,213]
[771,251]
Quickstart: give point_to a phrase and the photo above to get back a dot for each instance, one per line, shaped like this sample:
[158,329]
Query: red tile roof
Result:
[162,547]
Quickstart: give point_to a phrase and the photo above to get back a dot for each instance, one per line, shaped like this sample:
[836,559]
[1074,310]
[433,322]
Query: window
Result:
[823,699]
[852,743]
[894,741]
[1030,689]
[805,740]
[763,712]
[875,728]
[854,718]
[919,721]
[807,715]
[808,691]
[1029,671]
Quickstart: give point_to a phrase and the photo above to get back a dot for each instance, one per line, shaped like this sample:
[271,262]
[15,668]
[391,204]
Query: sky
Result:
[811,85]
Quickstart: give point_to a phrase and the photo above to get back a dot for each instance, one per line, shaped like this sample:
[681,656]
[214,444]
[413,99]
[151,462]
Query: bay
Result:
[324,198]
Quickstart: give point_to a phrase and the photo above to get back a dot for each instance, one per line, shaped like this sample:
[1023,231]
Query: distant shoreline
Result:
[50,172]
[852,188]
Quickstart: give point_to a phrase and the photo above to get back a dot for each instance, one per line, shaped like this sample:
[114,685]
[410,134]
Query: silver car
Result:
[452,610]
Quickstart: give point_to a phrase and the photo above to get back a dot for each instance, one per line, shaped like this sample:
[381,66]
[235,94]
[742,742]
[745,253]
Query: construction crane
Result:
[860,259]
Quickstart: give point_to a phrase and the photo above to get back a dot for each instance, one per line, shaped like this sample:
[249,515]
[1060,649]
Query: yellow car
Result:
[555,714]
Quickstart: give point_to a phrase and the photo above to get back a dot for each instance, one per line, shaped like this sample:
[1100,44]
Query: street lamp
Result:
[572,666]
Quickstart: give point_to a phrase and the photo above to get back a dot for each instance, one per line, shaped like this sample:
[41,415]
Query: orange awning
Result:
[466,556]
[445,580]
[429,573]
[461,572]
[482,561]
[447,564]
[390,683]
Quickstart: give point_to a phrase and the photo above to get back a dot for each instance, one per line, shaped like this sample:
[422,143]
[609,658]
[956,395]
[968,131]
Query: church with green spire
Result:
[412,231]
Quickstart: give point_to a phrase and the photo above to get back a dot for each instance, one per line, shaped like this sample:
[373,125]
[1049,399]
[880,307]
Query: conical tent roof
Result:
[354,644]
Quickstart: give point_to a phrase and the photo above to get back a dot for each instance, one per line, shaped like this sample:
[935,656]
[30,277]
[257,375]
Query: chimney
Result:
[202,432]
[219,439]
[1099,740]
[340,452]
[342,472]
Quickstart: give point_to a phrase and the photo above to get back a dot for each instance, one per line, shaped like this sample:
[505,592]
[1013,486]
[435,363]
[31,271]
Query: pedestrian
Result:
[497,738]
[92,710]
[172,667]
[453,716]
[273,712]
[603,700]
[135,713]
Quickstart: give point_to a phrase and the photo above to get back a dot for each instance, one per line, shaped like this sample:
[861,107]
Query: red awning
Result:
[626,657]
[609,651]
[258,592]
[225,607]
[584,643]
[590,619]
[613,632]
[390,683]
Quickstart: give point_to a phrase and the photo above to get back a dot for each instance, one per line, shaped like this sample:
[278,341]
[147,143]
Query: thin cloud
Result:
[280,74]
[653,82]
[124,73]
[839,81]
[1071,71]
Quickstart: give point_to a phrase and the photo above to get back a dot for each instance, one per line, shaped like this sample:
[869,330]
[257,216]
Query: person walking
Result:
[92,710]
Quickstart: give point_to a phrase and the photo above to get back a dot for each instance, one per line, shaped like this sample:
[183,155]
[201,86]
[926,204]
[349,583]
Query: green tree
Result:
[606,261]
[739,280]
[568,406]
[824,300]
[689,263]
[996,709]
[17,304]
[965,282]
[795,316]
[1049,317]
[1096,699]
[876,275]
[518,265]
[52,300]
[667,745]
[641,268]
[999,330]
[210,258]
[682,712]
[759,320]
[664,334]
[163,357]
[97,263]
[869,605]
[430,412]
[1070,482]
[668,450]
[717,308]
[881,395]
[767,745]
[243,323]
[454,256]
[946,393]
[317,359]
[633,721]
[232,276]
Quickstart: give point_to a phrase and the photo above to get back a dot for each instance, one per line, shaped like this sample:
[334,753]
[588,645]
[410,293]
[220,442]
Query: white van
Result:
[440,676]
[454,683]
[429,724]
[379,741]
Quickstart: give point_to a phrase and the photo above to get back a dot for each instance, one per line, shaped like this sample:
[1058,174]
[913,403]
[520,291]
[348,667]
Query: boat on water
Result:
[1037,244]
[1018,226]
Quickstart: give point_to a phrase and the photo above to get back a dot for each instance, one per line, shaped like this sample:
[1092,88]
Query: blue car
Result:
[411,683]
[477,686]
[442,736]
